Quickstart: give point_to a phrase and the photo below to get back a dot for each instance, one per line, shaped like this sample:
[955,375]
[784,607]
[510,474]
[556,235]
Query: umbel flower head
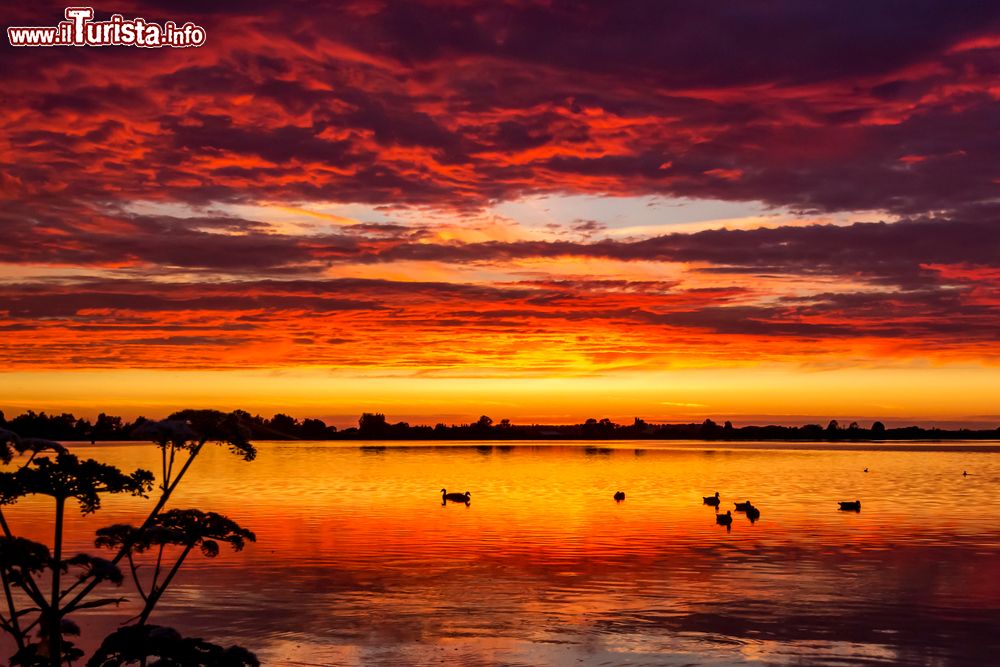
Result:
[185,528]
[173,432]
[136,644]
[100,569]
[11,445]
[67,477]
[188,429]
[18,553]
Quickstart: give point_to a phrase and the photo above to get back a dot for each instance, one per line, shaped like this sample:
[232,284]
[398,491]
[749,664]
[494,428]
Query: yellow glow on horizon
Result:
[951,393]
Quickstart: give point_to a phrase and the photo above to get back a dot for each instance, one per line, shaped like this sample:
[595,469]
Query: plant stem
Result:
[135,576]
[29,586]
[170,467]
[55,631]
[156,572]
[15,624]
[157,593]
[163,461]
[126,548]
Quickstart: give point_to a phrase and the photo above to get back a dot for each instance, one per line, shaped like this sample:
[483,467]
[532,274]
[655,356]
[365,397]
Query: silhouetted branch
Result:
[65,477]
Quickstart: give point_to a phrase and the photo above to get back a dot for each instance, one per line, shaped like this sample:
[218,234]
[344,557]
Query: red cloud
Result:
[452,106]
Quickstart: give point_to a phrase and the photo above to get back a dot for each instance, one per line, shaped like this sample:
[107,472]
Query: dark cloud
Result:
[893,253]
[889,107]
[830,107]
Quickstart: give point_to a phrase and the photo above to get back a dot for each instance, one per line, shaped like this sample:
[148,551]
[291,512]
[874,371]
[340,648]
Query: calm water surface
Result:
[357,562]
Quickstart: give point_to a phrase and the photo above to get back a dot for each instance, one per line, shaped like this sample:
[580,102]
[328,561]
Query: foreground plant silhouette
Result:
[42,588]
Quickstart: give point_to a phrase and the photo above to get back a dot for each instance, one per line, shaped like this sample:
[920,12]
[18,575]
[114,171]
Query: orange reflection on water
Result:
[357,561]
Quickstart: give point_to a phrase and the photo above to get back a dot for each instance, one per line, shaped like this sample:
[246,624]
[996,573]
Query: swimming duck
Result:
[743,507]
[619,496]
[724,519]
[455,497]
[866,469]
[753,513]
[850,505]
[711,500]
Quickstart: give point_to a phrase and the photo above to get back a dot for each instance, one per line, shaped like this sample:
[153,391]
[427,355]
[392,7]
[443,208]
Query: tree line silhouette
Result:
[375,426]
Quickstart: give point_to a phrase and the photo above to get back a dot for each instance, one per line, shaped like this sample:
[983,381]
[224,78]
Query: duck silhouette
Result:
[965,473]
[455,497]
[743,507]
[850,505]
[711,500]
[753,513]
[866,469]
[619,496]
[724,519]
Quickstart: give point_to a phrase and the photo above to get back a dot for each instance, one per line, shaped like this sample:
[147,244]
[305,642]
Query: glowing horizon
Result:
[961,396]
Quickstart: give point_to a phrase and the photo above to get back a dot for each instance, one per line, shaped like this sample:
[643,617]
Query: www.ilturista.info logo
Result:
[79,29]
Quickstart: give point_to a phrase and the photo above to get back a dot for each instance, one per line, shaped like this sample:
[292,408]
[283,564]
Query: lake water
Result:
[358,563]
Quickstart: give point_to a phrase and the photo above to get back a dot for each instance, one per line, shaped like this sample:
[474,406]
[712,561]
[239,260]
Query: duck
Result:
[850,505]
[753,513]
[743,507]
[711,500]
[619,496]
[455,497]
[866,469]
[965,473]
[724,519]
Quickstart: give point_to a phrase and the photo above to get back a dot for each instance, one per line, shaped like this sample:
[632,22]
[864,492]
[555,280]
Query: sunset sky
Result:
[543,211]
